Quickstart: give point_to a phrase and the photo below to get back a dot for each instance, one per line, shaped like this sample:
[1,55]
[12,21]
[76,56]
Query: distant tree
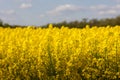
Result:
[7,25]
[117,20]
[1,23]
[74,24]
[84,20]
[93,22]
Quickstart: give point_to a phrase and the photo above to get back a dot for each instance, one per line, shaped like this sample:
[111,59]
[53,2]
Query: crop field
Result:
[60,53]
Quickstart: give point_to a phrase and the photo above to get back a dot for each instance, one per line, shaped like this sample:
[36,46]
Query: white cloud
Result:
[105,9]
[116,7]
[99,10]
[8,19]
[23,0]
[42,15]
[108,12]
[59,9]
[98,7]
[117,0]
[25,5]
[7,12]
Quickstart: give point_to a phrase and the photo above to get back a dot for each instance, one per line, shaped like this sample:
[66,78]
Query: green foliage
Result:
[92,22]
[74,24]
[1,22]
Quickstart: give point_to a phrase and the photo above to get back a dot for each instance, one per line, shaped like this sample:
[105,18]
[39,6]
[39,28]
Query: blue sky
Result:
[40,12]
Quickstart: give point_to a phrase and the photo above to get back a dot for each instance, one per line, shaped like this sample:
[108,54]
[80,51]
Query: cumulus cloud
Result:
[7,12]
[42,15]
[5,18]
[108,12]
[99,10]
[105,9]
[25,5]
[23,0]
[62,8]
[99,7]
[117,0]
[116,6]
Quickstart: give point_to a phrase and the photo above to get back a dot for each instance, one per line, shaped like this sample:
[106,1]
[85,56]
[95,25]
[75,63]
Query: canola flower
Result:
[60,54]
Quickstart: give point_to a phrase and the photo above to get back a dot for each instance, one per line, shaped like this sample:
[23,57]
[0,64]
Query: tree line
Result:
[93,22]
[75,24]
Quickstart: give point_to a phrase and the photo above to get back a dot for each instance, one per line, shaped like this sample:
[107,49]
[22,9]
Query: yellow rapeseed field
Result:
[60,54]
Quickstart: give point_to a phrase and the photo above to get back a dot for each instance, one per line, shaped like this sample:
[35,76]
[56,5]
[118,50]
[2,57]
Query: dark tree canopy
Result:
[75,24]
[1,22]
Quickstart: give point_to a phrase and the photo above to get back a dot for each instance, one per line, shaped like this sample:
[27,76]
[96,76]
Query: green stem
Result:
[51,65]
[117,69]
